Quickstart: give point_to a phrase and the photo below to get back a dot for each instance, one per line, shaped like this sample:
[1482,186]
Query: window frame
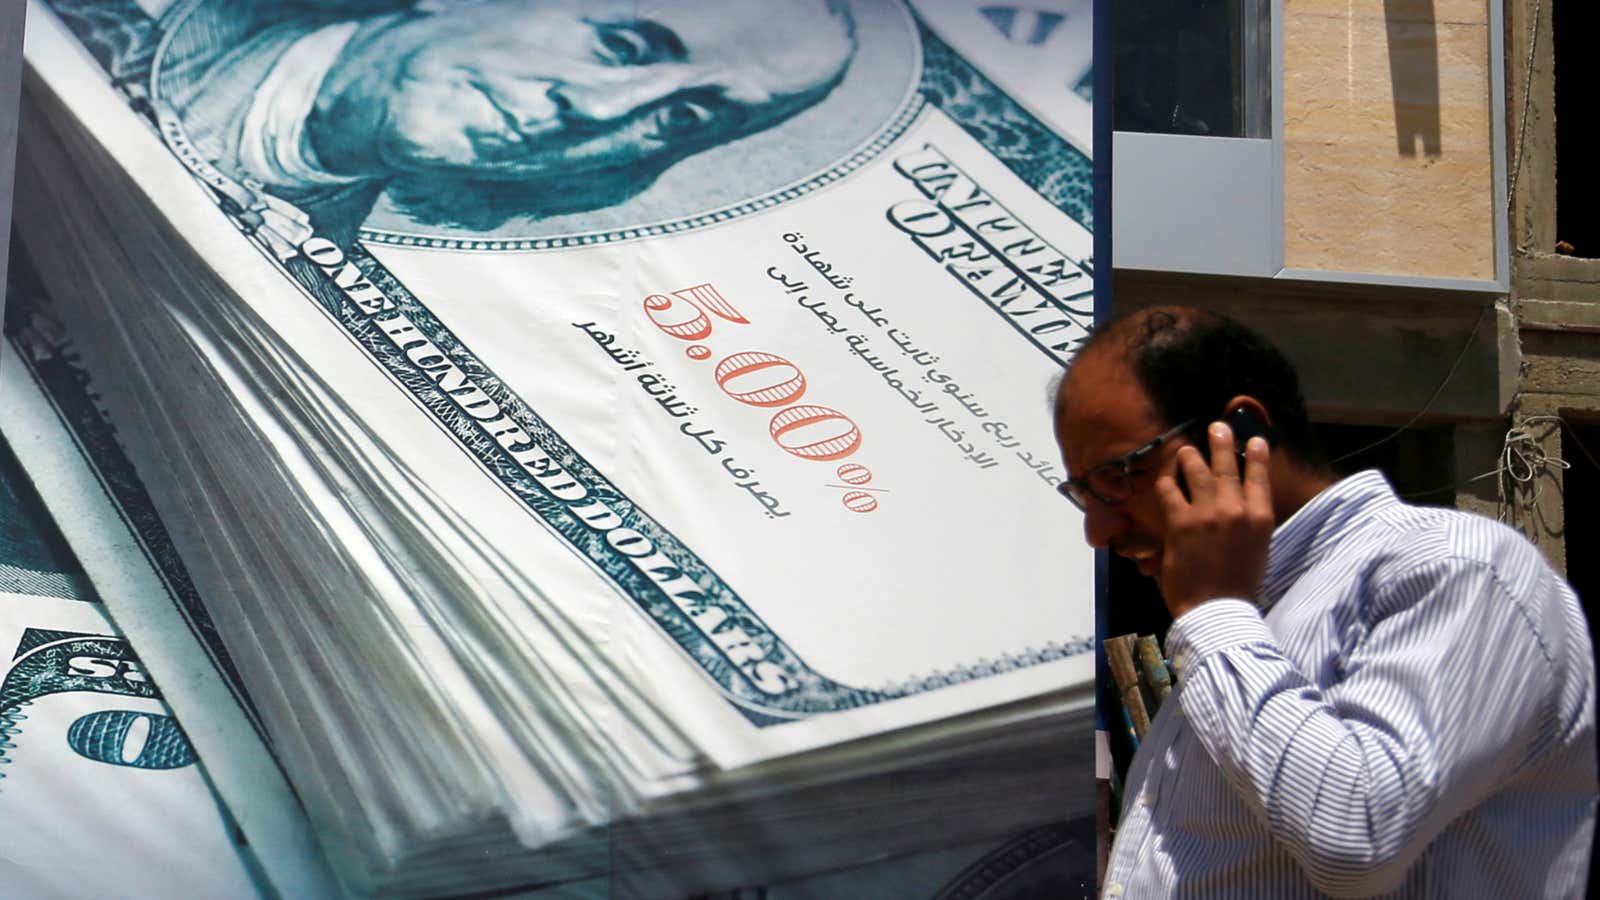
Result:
[1170,192]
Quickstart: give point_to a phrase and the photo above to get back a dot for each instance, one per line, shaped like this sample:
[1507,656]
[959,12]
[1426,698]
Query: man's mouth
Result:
[1146,558]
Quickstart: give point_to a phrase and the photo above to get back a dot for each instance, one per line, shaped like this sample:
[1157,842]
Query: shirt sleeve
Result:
[1443,698]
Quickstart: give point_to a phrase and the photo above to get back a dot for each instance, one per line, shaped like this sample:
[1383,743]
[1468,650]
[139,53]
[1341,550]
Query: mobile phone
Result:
[1245,423]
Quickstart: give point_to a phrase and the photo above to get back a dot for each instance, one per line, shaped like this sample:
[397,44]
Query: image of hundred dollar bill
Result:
[101,793]
[619,406]
[738,326]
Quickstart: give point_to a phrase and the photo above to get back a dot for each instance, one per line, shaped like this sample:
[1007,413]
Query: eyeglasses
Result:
[1111,482]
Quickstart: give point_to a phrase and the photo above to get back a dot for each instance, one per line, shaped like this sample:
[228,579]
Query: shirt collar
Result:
[1305,537]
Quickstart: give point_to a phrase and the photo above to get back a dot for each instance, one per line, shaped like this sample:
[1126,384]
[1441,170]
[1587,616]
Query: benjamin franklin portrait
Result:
[463,114]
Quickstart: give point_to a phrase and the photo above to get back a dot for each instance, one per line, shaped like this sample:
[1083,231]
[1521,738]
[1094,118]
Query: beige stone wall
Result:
[1388,161]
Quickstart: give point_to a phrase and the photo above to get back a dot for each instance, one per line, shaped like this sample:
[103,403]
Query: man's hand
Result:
[1216,540]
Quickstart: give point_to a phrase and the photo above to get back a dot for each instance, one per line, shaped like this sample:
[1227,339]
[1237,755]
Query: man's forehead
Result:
[1095,373]
[757,48]
[765,26]
[1101,394]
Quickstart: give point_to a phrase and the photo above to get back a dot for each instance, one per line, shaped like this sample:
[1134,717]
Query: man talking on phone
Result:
[1372,698]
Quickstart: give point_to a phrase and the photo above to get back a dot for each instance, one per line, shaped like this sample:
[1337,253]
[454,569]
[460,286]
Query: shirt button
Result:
[1114,889]
[1147,799]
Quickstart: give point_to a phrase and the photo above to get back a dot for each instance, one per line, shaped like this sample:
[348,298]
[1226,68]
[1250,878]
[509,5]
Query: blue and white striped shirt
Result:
[1413,713]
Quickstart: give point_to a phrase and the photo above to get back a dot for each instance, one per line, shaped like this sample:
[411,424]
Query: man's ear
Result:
[1248,418]
[1250,403]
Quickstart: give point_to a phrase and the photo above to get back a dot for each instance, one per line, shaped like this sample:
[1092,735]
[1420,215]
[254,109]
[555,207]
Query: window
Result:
[1196,67]
[1577,218]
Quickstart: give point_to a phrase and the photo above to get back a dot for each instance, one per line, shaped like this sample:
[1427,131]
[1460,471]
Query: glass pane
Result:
[1193,67]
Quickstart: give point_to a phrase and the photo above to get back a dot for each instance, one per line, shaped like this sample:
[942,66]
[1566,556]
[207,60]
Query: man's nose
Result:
[616,94]
[1102,524]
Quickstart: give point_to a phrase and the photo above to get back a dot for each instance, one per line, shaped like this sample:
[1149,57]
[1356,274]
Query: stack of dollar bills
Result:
[604,437]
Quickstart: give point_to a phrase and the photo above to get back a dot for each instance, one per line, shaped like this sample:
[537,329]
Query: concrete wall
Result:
[1556,298]
[1366,355]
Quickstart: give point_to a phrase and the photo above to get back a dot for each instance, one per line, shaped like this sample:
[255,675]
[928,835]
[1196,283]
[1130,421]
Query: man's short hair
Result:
[1191,362]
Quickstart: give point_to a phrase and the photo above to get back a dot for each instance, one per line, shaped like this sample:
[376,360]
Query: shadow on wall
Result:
[1414,74]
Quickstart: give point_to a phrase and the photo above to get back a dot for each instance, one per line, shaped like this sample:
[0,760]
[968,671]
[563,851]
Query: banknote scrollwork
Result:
[49,662]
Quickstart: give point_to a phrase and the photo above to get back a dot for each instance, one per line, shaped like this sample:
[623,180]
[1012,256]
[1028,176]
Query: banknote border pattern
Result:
[37,671]
[1058,171]
[971,100]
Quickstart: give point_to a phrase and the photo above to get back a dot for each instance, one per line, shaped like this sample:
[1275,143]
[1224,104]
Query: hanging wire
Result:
[1436,391]
[1522,460]
[1527,100]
